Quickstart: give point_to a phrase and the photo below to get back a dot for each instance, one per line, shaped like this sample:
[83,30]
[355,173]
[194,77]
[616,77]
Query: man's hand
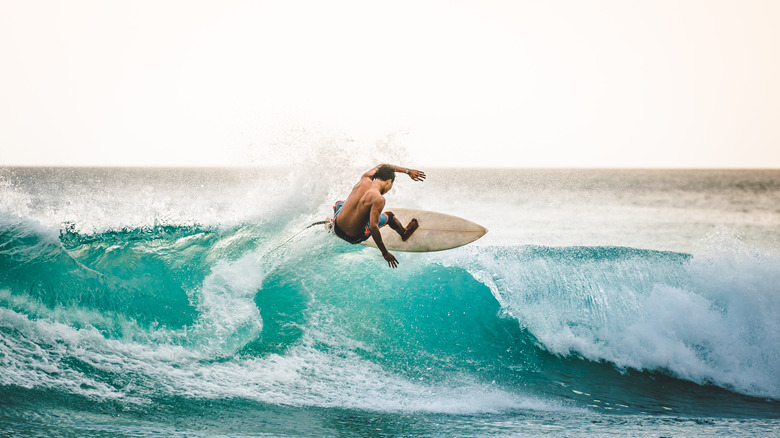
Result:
[390,259]
[416,175]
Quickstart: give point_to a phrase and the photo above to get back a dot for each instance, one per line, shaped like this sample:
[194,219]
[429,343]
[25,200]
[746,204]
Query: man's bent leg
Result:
[396,225]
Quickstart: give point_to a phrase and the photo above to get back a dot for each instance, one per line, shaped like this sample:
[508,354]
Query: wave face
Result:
[142,318]
[169,311]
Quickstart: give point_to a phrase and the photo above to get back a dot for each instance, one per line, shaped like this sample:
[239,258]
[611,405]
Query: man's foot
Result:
[413,224]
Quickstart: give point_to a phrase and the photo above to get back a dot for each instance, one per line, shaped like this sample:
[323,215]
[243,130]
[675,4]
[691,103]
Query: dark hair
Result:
[385,173]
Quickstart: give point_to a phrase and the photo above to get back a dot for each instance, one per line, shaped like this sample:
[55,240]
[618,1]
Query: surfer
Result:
[361,216]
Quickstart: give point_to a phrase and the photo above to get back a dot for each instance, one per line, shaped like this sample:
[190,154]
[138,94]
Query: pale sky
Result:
[613,83]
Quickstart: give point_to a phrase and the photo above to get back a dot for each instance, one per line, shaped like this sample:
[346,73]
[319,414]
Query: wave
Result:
[143,314]
[711,318]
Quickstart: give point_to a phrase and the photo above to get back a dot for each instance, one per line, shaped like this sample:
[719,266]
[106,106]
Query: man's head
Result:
[385,172]
[386,175]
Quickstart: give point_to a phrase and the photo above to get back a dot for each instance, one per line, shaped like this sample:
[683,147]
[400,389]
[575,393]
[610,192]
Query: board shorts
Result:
[353,239]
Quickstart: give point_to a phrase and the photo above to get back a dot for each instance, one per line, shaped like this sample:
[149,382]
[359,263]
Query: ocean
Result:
[165,302]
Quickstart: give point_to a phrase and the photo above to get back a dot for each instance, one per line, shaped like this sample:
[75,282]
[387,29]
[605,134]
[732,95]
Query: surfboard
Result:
[437,232]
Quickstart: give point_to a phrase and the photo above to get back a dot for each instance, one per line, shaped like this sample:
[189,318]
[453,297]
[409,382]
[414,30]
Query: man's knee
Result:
[389,215]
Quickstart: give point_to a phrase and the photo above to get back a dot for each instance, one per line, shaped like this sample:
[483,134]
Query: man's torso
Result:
[355,213]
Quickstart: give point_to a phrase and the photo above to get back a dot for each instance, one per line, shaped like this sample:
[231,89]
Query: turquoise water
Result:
[601,303]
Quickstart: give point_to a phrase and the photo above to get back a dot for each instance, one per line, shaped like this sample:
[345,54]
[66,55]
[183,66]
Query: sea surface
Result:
[189,302]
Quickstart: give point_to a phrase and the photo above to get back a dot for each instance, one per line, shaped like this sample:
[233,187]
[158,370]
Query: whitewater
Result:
[139,302]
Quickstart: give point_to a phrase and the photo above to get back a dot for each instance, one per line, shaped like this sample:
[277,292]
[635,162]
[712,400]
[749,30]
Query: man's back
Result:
[357,207]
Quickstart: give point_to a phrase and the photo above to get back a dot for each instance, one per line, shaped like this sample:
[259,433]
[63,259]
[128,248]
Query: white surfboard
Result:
[437,231]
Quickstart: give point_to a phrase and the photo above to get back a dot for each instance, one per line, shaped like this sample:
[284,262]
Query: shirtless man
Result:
[360,216]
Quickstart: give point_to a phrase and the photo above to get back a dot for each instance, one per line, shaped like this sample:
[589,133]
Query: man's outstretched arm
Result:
[414,174]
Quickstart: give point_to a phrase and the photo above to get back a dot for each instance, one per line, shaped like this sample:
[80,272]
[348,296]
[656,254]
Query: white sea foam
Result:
[228,317]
